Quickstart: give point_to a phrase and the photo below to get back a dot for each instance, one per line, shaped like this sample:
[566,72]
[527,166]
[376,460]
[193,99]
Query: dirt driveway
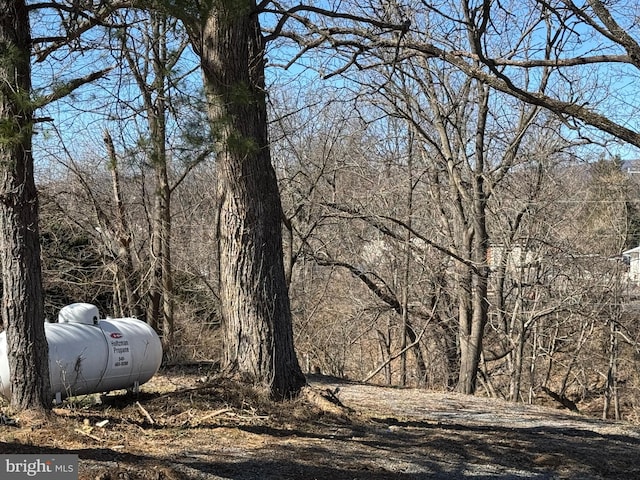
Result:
[189,427]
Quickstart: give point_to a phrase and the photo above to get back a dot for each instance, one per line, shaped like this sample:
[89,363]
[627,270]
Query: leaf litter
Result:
[184,426]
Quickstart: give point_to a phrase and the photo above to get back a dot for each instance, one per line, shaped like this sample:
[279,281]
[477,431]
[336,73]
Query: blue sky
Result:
[81,118]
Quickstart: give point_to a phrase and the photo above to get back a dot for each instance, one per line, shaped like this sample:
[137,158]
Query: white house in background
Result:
[633,258]
[517,257]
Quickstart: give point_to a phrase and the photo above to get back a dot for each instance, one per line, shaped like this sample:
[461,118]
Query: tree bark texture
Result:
[256,312]
[22,302]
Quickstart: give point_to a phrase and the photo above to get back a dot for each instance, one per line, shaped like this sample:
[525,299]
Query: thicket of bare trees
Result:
[528,238]
[552,297]
[434,203]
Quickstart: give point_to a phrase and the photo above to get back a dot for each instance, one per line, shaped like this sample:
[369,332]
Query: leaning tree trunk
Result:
[22,300]
[256,313]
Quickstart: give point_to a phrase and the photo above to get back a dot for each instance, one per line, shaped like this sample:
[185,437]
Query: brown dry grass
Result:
[188,424]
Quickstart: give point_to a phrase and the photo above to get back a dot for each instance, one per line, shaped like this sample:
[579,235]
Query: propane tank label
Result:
[120,349]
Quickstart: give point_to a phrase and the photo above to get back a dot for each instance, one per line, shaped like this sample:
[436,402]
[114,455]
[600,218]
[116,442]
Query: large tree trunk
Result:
[255,303]
[22,302]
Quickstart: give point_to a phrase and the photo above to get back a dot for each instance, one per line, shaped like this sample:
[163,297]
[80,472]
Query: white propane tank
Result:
[90,355]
